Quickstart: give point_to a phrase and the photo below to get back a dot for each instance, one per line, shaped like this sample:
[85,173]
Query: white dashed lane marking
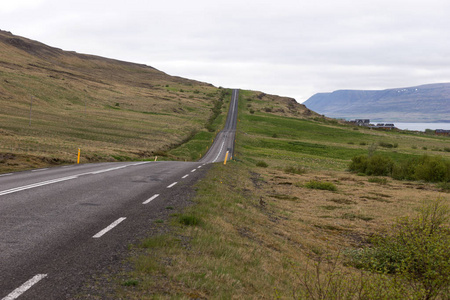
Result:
[25,287]
[113,224]
[150,199]
[169,186]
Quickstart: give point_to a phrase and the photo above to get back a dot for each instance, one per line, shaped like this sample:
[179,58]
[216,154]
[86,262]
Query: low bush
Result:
[416,250]
[262,164]
[320,185]
[426,168]
[189,220]
[376,165]
[295,170]
[388,145]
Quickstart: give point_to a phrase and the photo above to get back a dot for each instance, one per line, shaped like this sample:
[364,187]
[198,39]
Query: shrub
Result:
[432,169]
[416,250]
[376,165]
[262,164]
[189,220]
[320,185]
[295,170]
[379,165]
[359,164]
[427,168]
[385,145]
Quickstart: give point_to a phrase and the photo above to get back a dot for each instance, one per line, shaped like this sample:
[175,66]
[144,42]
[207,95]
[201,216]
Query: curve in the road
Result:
[50,217]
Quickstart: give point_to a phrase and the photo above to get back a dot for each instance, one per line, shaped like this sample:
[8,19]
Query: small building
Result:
[386,126]
[361,122]
[442,132]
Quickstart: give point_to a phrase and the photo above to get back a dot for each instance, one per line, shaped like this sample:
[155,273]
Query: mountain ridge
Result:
[423,103]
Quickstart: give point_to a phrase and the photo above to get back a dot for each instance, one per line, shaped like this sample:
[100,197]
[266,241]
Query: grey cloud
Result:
[290,47]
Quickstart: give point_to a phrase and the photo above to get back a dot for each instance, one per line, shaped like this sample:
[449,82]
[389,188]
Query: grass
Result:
[263,235]
[319,185]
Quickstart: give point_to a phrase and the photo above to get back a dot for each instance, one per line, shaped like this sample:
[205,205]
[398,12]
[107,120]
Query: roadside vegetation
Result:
[286,218]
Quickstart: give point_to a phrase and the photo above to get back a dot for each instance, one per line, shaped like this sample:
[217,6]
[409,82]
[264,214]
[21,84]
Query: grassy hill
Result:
[425,103]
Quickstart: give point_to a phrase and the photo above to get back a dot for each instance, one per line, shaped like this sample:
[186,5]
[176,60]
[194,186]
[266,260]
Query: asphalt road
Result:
[224,141]
[60,226]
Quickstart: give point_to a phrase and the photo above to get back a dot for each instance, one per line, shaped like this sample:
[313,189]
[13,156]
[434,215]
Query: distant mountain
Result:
[425,103]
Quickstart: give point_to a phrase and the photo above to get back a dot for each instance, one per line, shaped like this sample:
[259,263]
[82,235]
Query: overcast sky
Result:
[293,48]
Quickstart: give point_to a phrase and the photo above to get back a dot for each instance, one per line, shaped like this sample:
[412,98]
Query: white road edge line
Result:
[30,186]
[140,163]
[38,170]
[150,199]
[199,167]
[107,170]
[24,287]
[194,170]
[185,176]
[220,152]
[7,174]
[113,224]
[169,186]
[38,184]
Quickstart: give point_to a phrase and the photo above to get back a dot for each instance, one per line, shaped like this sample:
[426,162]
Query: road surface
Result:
[60,226]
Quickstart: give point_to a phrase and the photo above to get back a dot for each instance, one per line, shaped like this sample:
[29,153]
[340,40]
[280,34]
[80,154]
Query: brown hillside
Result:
[53,102]
[111,109]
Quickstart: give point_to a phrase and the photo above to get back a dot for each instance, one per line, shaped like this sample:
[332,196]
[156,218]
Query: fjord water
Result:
[422,126]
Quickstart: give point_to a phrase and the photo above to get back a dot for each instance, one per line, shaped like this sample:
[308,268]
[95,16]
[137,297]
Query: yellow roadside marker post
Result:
[226,156]
[156,157]
[78,159]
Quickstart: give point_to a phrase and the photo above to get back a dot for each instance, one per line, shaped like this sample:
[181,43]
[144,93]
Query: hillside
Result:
[54,102]
[425,103]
